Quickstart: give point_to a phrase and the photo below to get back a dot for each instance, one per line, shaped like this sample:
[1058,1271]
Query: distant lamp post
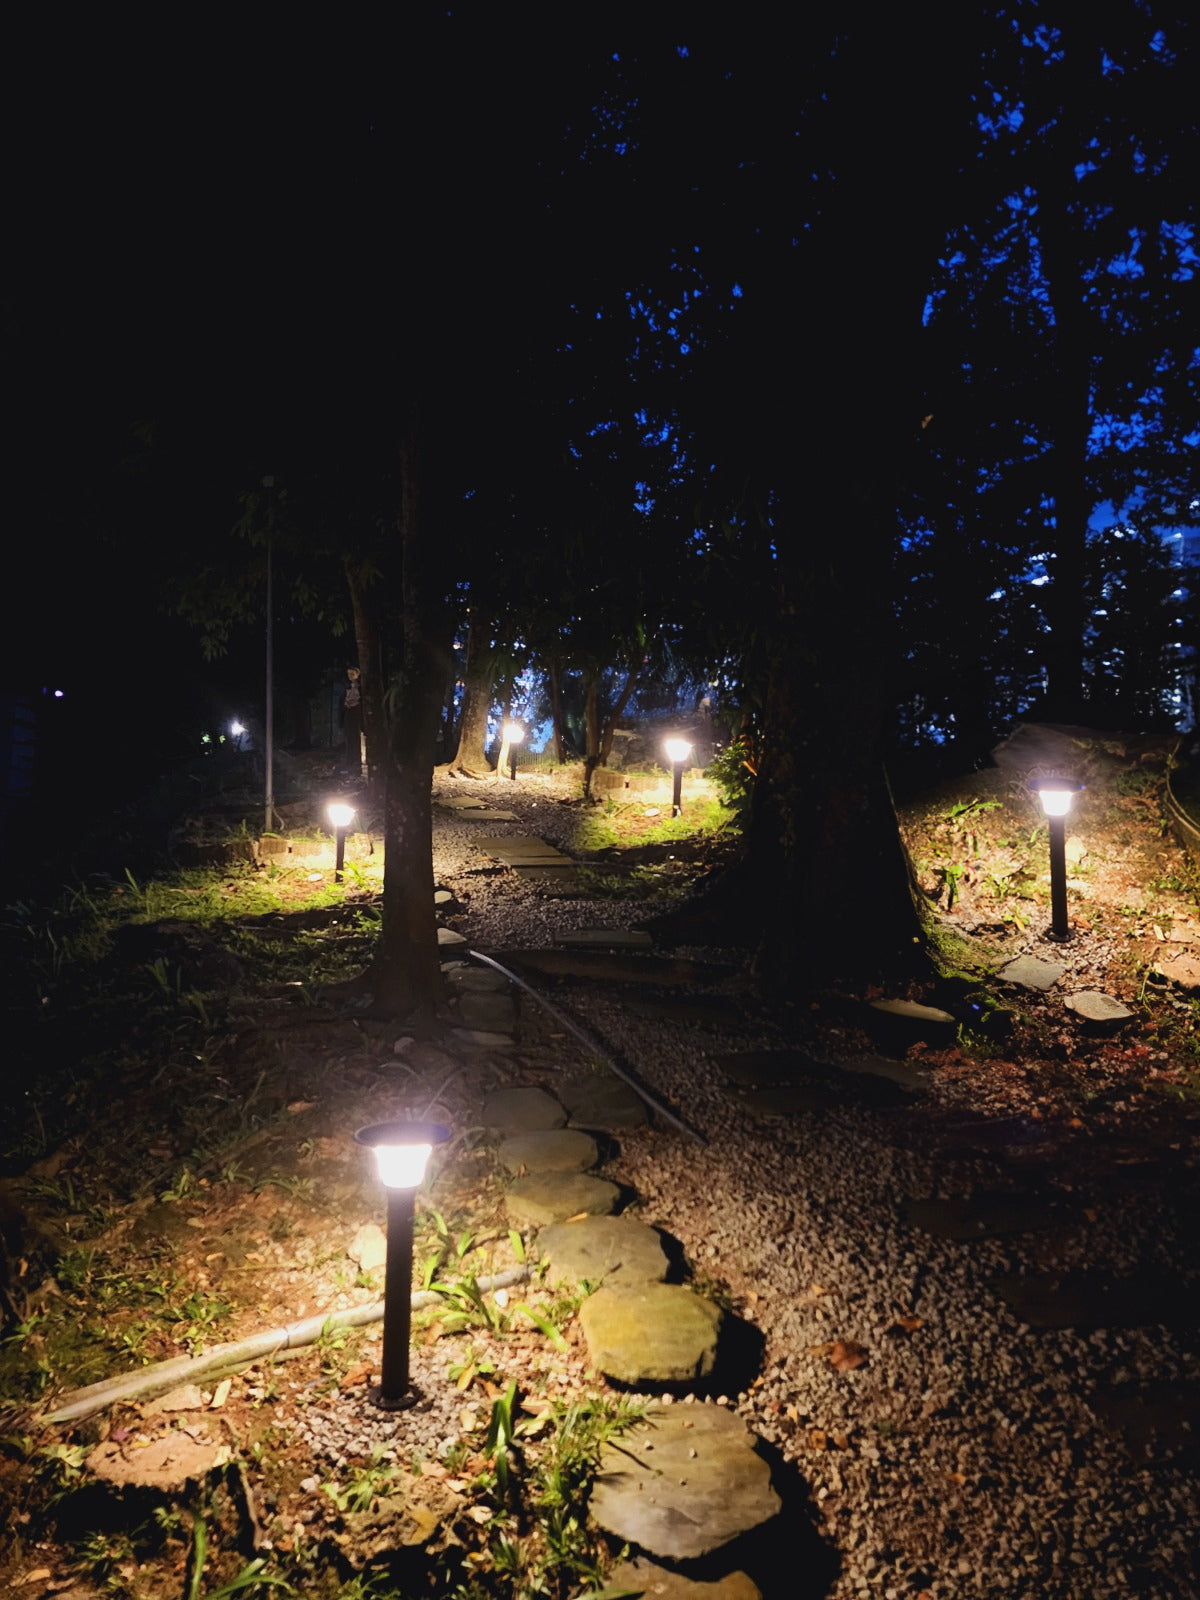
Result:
[1057,796]
[402,1150]
[513,734]
[678,751]
[341,815]
[237,729]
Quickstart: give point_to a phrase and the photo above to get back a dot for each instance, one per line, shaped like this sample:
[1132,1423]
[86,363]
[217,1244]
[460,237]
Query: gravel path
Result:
[968,1453]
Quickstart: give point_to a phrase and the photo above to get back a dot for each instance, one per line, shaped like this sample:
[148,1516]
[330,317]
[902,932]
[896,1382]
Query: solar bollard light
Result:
[513,734]
[402,1150]
[341,814]
[678,751]
[1057,796]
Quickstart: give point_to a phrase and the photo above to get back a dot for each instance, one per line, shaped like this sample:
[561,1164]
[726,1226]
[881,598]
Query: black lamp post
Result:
[513,734]
[1056,795]
[678,751]
[402,1150]
[341,815]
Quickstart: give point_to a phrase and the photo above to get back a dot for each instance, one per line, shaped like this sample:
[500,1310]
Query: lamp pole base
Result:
[404,1402]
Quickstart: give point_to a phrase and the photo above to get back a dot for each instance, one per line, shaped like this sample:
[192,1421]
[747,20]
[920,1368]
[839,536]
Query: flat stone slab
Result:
[606,939]
[493,1013]
[462,803]
[913,1017]
[168,1464]
[481,1039]
[1180,967]
[683,1483]
[1156,1422]
[1031,973]
[708,1010]
[647,1578]
[544,1198]
[477,980]
[609,966]
[522,1109]
[986,1215]
[754,1069]
[651,1333]
[1100,1009]
[560,1150]
[1096,1300]
[602,1101]
[519,850]
[450,942]
[603,1250]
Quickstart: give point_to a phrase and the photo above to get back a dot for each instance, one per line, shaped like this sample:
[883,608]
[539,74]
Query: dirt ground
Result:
[199,1185]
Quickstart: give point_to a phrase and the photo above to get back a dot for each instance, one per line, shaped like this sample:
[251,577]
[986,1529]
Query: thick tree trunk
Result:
[370,666]
[471,756]
[557,743]
[407,980]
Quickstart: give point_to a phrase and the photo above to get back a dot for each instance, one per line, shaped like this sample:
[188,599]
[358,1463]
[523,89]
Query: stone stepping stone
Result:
[1181,967]
[481,1039]
[493,1013]
[497,816]
[986,1215]
[683,1483]
[449,942]
[907,1020]
[602,1101]
[559,1150]
[1101,1010]
[796,1099]
[607,966]
[522,1109]
[651,1333]
[444,900]
[1090,1300]
[521,850]
[478,980]
[606,939]
[603,1250]
[167,1465]
[1028,972]
[544,1198]
[642,1577]
[462,803]
[753,1069]
[712,1010]
[1156,1422]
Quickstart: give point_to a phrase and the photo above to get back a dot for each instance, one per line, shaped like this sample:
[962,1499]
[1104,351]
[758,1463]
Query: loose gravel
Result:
[962,1457]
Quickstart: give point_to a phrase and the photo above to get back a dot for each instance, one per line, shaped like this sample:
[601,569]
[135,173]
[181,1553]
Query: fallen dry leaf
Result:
[846,1355]
[353,1376]
[907,1322]
[817,1438]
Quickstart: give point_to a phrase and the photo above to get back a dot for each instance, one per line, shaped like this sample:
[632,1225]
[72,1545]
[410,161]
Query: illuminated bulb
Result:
[402,1166]
[678,750]
[1056,802]
[513,733]
[340,814]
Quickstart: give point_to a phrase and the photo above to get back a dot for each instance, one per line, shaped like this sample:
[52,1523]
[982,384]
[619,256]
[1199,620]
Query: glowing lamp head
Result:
[236,729]
[339,813]
[678,750]
[513,733]
[402,1150]
[1056,794]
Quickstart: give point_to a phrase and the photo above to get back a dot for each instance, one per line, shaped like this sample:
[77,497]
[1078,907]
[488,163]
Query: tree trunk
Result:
[471,756]
[591,717]
[557,745]
[370,667]
[407,980]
